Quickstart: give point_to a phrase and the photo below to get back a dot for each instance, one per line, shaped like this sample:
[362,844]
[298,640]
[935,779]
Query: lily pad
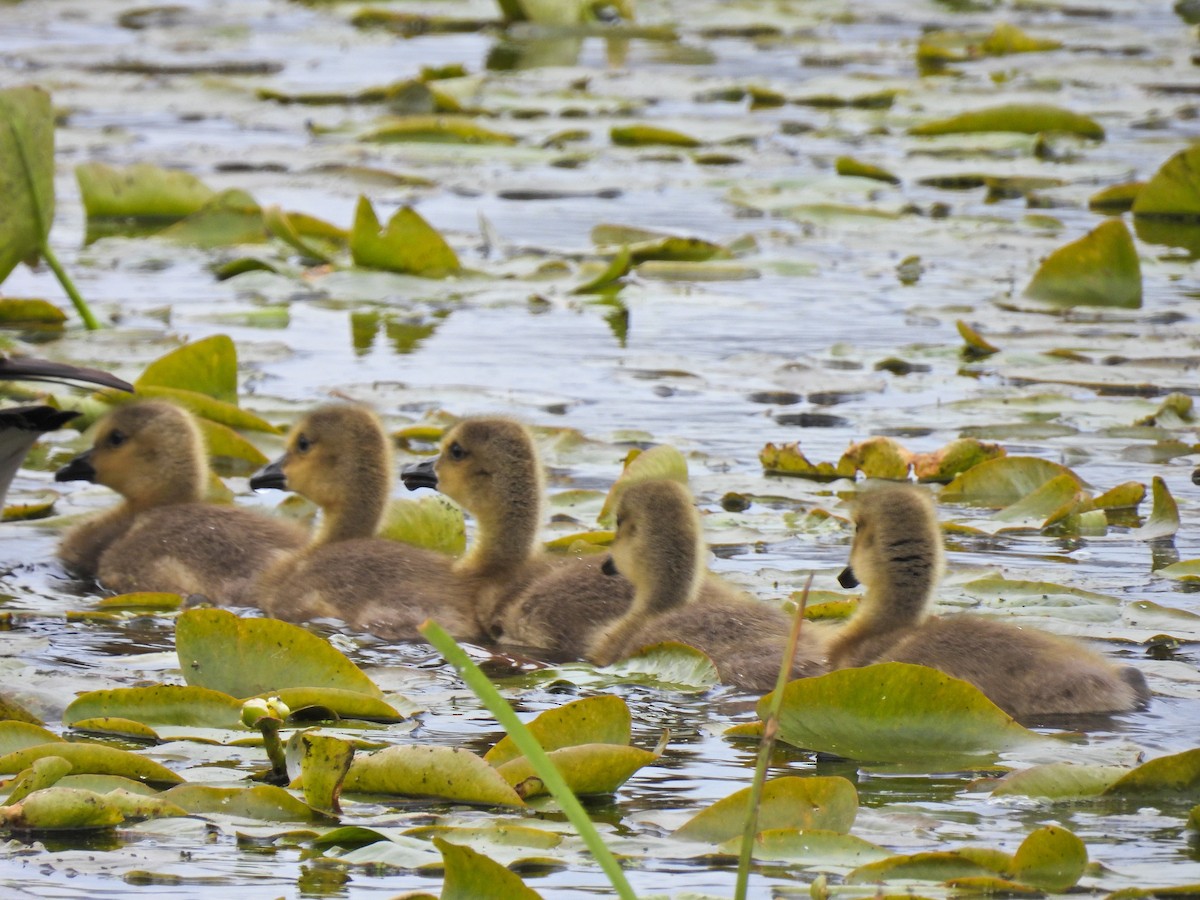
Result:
[445,772]
[26,174]
[809,846]
[408,244]
[325,760]
[116,726]
[247,657]
[287,227]
[91,758]
[19,735]
[1051,858]
[1116,199]
[1099,269]
[1164,514]
[1176,777]
[1002,482]
[938,865]
[651,135]
[61,809]
[32,311]
[340,702]
[977,346]
[438,130]
[617,268]
[141,191]
[1059,781]
[669,664]
[160,704]
[263,801]
[44,773]
[11,710]
[848,165]
[470,875]
[1173,192]
[661,462]
[230,218]
[1048,504]
[587,769]
[603,719]
[826,803]
[895,712]
[432,522]
[1023,118]
[207,366]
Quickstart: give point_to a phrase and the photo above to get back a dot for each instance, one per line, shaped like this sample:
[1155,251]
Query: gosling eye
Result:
[303,444]
[115,438]
[456,451]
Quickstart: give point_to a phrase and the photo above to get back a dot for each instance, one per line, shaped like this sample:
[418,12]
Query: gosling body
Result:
[163,536]
[659,546]
[897,555]
[339,457]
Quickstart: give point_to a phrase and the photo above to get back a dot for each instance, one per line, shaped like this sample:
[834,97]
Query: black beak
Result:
[609,567]
[419,475]
[78,469]
[847,578]
[270,476]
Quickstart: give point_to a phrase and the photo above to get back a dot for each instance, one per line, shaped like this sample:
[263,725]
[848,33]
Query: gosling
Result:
[897,555]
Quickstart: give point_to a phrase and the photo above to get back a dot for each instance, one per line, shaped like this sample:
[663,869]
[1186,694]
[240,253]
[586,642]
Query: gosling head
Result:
[150,452]
[659,545]
[897,547]
[337,455]
[486,465]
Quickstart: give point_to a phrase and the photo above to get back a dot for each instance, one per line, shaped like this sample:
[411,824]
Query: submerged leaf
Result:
[827,803]
[1099,269]
[430,771]
[894,712]
[26,174]
[1024,118]
[668,664]
[810,846]
[246,657]
[408,244]
[141,191]
[603,719]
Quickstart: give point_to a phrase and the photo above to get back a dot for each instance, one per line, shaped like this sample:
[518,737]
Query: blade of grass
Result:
[532,750]
[770,730]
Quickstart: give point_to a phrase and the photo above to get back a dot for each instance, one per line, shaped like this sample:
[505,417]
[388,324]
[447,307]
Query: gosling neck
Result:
[357,516]
[506,536]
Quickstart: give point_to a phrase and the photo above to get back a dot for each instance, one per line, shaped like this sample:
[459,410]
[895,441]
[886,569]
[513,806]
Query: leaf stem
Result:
[68,285]
[532,750]
[766,745]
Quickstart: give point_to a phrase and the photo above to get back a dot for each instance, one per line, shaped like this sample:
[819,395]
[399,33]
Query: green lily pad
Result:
[1023,118]
[438,130]
[603,719]
[1173,192]
[1099,269]
[138,806]
[651,135]
[1059,781]
[445,772]
[206,407]
[247,657]
[587,769]
[141,191]
[32,311]
[263,801]
[617,268]
[1002,482]
[286,227]
[340,702]
[223,443]
[11,710]
[848,165]
[433,522]
[117,727]
[408,244]
[1116,199]
[207,366]
[1184,570]
[676,249]
[44,773]
[91,758]
[141,601]
[1051,859]
[937,865]
[669,664]
[325,760]
[809,846]
[160,704]
[61,809]
[1048,504]
[1128,495]
[1164,514]
[230,218]
[1176,777]
[977,346]
[26,174]
[788,459]
[895,712]
[17,735]
[826,803]
[470,875]
[657,463]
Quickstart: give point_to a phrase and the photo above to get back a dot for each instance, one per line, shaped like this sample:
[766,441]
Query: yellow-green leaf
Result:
[809,846]
[643,135]
[1173,192]
[31,311]
[1044,506]
[587,769]
[281,224]
[1059,781]
[44,773]
[433,522]
[95,759]
[160,704]
[1164,514]
[247,657]
[1099,269]
[849,166]
[1002,482]
[207,366]
[669,663]
[448,773]
[1051,858]
[116,726]
[12,710]
[342,703]
[470,875]
[223,443]
[61,809]
[325,760]
[603,719]
[1175,776]
[437,130]
[827,803]
[141,191]
[1116,199]
[26,174]
[977,346]
[17,735]
[617,268]
[206,407]
[232,217]
[939,865]
[141,601]
[1024,118]
[263,801]
[661,462]
[408,244]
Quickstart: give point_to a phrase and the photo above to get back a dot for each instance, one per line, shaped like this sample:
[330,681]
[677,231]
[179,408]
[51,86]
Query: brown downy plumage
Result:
[897,556]
[524,596]
[660,548]
[163,536]
[339,457]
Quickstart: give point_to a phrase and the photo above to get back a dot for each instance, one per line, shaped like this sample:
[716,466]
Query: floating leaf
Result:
[1164,514]
[1043,507]
[470,875]
[848,165]
[810,846]
[1051,858]
[939,865]
[91,758]
[408,244]
[788,459]
[61,809]
[263,801]
[876,457]
[1176,777]
[160,704]
[587,769]
[1006,39]
[207,366]
[438,130]
[11,710]
[617,268]
[246,657]
[895,712]
[1059,781]
[445,772]
[1023,118]
[827,803]
[117,726]
[141,601]
[232,217]
[1184,570]
[1116,199]
[284,227]
[325,762]
[433,522]
[141,191]
[18,735]
[138,806]
[645,135]
[44,773]
[223,443]
[977,345]
[1173,192]
[1099,269]
[341,703]
[668,664]
[26,174]
[603,719]
[675,249]
[1002,482]
[663,462]
[15,311]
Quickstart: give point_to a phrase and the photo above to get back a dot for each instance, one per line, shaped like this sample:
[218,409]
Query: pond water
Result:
[718,368]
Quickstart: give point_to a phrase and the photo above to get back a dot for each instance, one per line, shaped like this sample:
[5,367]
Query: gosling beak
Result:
[847,579]
[78,469]
[419,475]
[270,476]
[609,567]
